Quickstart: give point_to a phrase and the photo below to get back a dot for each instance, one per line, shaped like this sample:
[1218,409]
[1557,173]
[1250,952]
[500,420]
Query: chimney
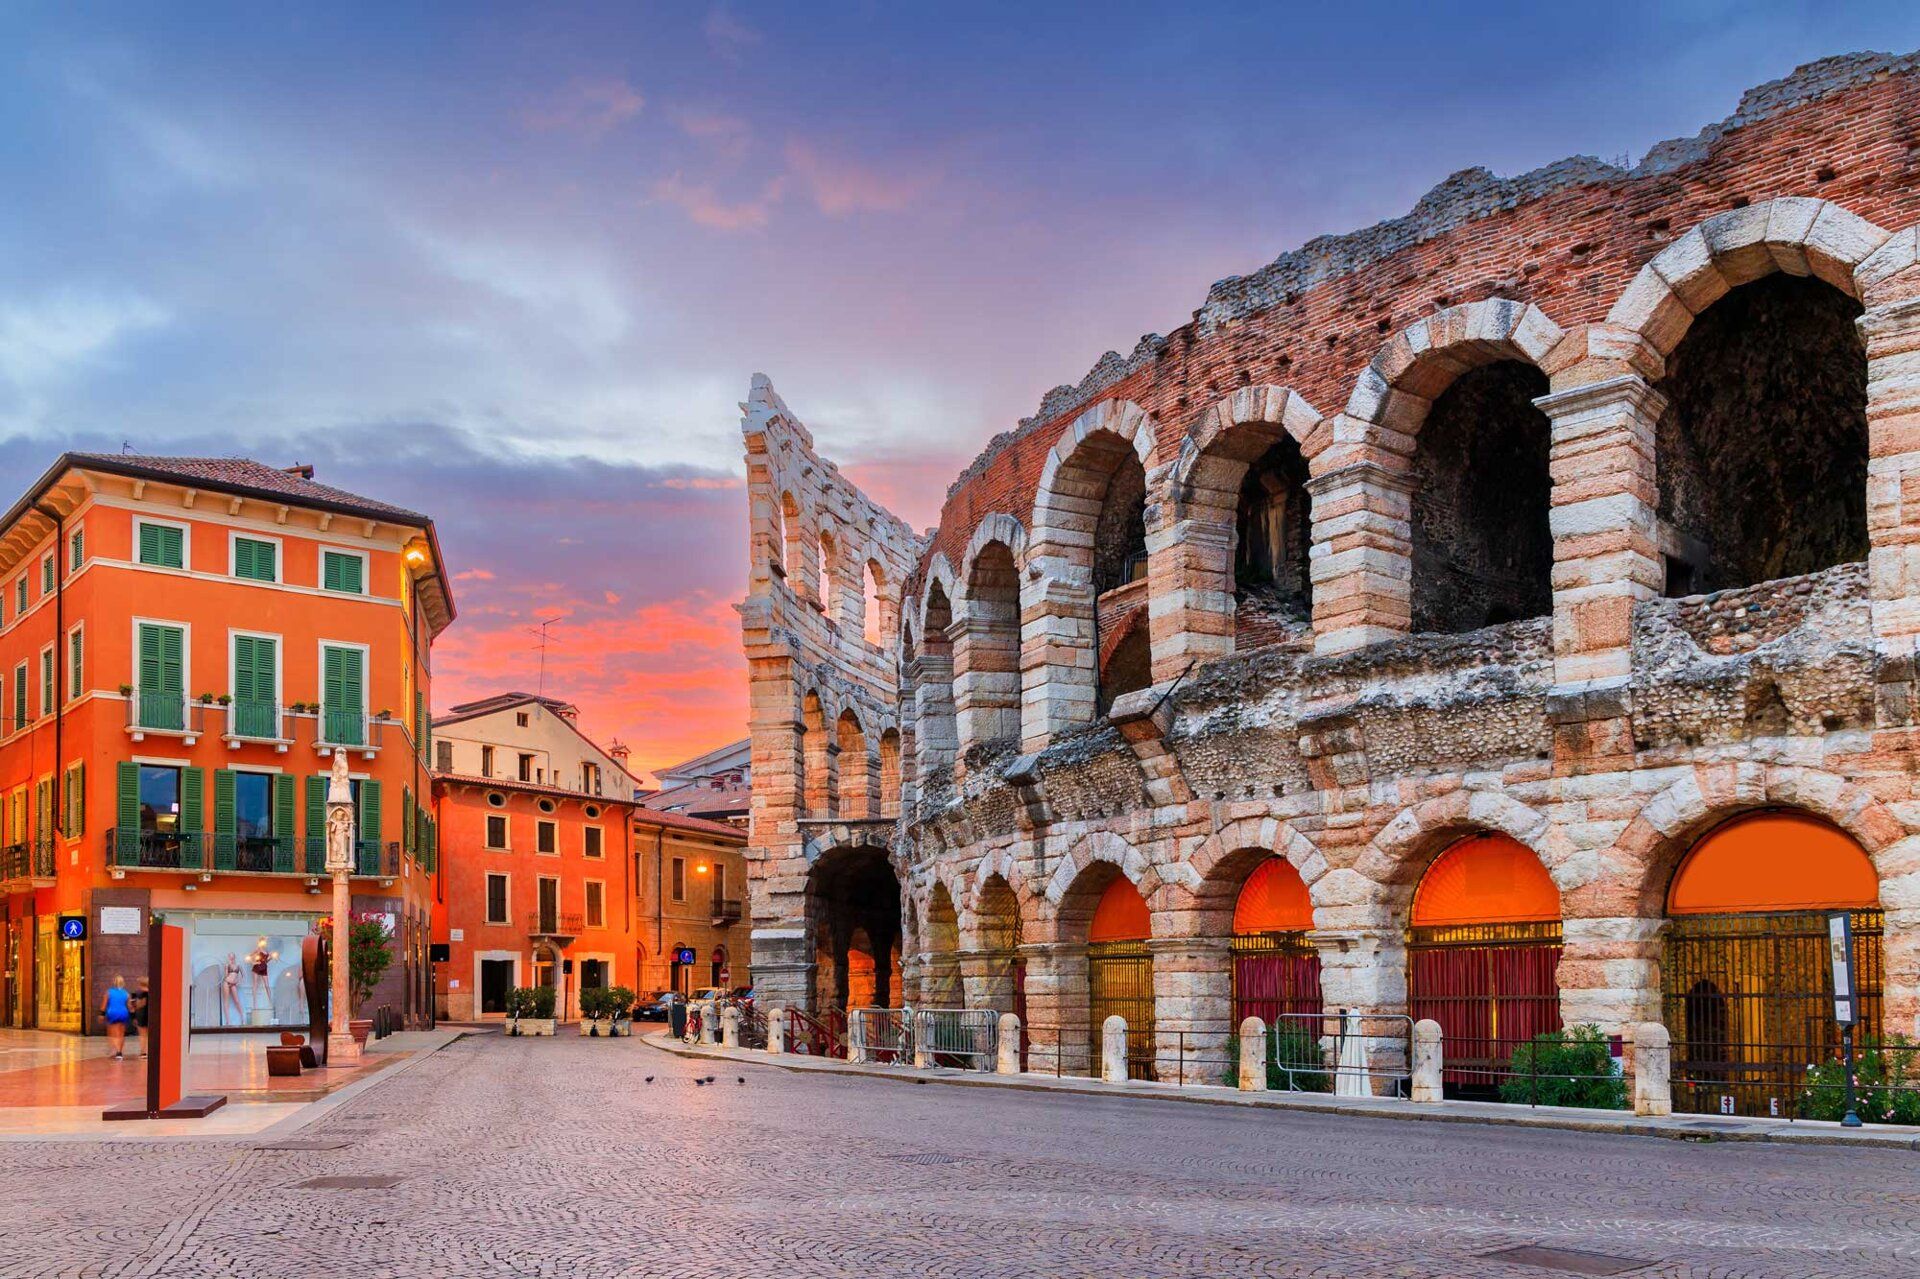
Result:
[620,752]
[304,470]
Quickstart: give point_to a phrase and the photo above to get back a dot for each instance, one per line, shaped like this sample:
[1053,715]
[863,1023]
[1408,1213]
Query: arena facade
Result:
[1504,614]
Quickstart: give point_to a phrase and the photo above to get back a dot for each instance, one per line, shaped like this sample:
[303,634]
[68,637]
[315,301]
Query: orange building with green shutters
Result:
[184,645]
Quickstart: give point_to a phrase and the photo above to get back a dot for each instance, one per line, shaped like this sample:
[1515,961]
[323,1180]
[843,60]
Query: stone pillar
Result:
[1058,1036]
[934,740]
[1610,972]
[1891,332]
[1361,561]
[1190,616]
[856,1037]
[1364,970]
[1606,540]
[730,1027]
[1113,1050]
[1192,1008]
[1652,1069]
[1007,1050]
[1427,1086]
[783,967]
[776,1030]
[1253,1055]
[986,681]
[1057,657]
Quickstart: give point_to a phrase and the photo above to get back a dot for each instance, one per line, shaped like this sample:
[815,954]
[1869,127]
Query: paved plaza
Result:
[557,1157]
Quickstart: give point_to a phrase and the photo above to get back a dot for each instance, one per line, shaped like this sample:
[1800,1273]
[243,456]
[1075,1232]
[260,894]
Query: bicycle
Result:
[691,1035]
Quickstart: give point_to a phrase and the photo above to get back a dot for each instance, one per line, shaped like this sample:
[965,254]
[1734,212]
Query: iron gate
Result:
[1492,988]
[1748,1000]
[1275,975]
[1120,982]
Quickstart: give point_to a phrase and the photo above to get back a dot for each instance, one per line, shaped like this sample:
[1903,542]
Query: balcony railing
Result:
[240,854]
[347,727]
[161,711]
[555,923]
[726,910]
[157,849]
[27,861]
[253,719]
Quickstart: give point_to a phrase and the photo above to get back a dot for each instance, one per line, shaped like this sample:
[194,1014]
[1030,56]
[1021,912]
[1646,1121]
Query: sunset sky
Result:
[514,266]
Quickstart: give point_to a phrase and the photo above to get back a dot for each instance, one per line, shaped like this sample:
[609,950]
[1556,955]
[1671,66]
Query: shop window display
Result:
[246,970]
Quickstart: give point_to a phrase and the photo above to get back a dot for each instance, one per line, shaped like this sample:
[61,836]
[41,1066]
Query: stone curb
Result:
[1807,1132]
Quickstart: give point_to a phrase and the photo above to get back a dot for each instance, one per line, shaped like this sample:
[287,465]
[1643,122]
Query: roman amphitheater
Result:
[1503,615]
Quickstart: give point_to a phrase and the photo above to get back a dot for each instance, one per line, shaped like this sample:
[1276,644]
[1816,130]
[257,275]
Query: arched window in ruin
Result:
[1126,662]
[1761,455]
[856,771]
[1273,530]
[935,735]
[998,939]
[1483,957]
[873,600]
[890,773]
[793,540]
[1745,971]
[853,927]
[1120,532]
[986,654]
[1482,550]
[776,543]
[827,575]
[817,781]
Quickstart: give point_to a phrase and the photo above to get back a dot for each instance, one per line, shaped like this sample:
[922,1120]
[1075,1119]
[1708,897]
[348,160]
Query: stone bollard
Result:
[730,1027]
[1253,1055]
[1652,1069]
[856,1037]
[1113,1050]
[921,1059]
[1426,1061]
[1007,1055]
[776,1029]
[709,1022]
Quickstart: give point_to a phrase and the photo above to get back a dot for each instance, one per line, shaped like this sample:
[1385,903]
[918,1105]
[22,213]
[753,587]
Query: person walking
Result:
[117,1008]
[137,1007]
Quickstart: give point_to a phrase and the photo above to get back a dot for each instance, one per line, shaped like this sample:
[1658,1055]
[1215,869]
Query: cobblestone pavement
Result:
[555,1157]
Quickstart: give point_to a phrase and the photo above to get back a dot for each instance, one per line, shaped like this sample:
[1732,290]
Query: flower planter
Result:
[591,1027]
[536,1026]
[620,1028]
[360,1028]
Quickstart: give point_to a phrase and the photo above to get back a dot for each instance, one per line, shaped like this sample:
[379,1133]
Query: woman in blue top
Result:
[118,1010]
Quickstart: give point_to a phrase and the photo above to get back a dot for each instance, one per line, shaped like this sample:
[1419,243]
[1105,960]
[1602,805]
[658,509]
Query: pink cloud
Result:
[726,135]
[588,107]
[702,483]
[705,206]
[840,186]
[473,575]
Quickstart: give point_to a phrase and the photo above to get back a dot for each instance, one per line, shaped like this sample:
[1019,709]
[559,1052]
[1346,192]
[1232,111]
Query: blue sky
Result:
[515,265]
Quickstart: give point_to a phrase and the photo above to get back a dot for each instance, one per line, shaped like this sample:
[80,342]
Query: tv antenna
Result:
[545,639]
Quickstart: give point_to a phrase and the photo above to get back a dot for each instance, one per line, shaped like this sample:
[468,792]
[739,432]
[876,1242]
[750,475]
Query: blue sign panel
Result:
[684,955]
[73,927]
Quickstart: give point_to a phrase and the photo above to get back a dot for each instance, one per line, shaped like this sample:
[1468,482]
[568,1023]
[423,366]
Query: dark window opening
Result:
[1482,549]
[1274,529]
[1762,452]
[1120,536]
[1129,665]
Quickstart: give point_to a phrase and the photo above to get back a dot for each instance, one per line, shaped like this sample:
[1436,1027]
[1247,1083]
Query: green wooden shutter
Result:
[79,545]
[161,668]
[162,545]
[316,824]
[406,818]
[340,572]
[126,815]
[193,819]
[283,823]
[370,820]
[76,798]
[223,819]
[254,559]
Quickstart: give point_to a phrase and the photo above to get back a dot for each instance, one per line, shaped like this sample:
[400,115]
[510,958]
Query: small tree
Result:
[1887,1083]
[1565,1068]
[369,953]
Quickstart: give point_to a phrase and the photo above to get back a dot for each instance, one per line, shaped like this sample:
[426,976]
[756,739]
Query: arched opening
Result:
[940,980]
[856,770]
[1273,527]
[1483,955]
[873,604]
[935,735]
[777,535]
[1746,972]
[853,917]
[827,575]
[1482,549]
[1126,665]
[1276,970]
[1003,970]
[987,657]
[816,779]
[1120,972]
[793,541]
[719,971]
[1120,532]
[1761,456]
[890,773]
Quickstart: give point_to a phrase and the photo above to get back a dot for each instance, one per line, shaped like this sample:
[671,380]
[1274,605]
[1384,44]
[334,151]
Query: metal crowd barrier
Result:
[1346,1053]
[880,1034]
[967,1038]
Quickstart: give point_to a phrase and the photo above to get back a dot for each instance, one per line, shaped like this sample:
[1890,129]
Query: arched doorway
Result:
[1003,984]
[940,983]
[1483,954]
[1120,974]
[1747,984]
[1276,970]
[853,891]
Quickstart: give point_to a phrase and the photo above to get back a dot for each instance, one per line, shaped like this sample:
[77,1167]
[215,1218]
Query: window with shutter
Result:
[369,816]
[591,844]
[596,904]
[76,664]
[162,545]
[316,824]
[256,703]
[46,681]
[47,568]
[343,695]
[496,831]
[20,696]
[496,899]
[255,559]
[340,571]
[76,550]
[20,595]
[162,677]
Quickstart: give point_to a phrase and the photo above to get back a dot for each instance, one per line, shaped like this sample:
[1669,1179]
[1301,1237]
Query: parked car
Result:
[715,993]
[656,1007]
[742,995]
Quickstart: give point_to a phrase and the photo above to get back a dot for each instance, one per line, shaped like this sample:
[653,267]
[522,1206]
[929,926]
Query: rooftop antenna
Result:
[545,639]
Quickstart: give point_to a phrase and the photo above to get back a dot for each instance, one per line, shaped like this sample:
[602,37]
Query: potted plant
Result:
[536,1011]
[126,690]
[206,699]
[369,955]
[593,1006]
[619,1011]
[225,699]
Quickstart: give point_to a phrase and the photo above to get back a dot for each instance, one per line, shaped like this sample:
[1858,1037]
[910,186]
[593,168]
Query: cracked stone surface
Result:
[554,1157]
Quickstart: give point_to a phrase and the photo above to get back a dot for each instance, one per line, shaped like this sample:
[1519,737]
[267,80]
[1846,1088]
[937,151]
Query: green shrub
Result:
[1288,1046]
[1886,1083]
[593,1003]
[1565,1068]
[530,1001]
[619,1001]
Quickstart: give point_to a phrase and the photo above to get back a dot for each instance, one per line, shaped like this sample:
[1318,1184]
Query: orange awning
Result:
[1273,900]
[1121,915]
[1774,861]
[1485,879]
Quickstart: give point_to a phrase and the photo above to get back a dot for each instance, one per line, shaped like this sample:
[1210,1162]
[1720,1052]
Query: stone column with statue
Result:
[341,1046]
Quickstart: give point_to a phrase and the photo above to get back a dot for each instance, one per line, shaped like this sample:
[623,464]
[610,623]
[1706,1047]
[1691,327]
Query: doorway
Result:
[496,979]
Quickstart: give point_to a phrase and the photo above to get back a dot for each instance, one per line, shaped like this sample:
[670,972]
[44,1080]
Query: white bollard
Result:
[1652,1069]
[1113,1050]
[1426,1061]
[1253,1055]
[1007,1054]
[709,1022]
[776,1029]
[920,1035]
[730,1027]
[856,1037]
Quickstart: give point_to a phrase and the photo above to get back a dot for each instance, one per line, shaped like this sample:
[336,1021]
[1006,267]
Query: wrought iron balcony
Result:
[555,923]
[27,861]
[726,910]
[163,711]
[254,720]
[201,852]
[345,727]
[135,849]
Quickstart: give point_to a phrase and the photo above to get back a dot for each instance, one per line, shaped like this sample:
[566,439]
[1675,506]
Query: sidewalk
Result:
[56,1085]
[1675,1127]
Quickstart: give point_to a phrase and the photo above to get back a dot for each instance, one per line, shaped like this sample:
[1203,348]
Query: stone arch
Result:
[1004,864]
[856,765]
[1400,853]
[890,772]
[1272,836]
[1062,518]
[1098,848]
[1795,234]
[1417,364]
[819,777]
[938,577]
[935,736]
[987,682]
